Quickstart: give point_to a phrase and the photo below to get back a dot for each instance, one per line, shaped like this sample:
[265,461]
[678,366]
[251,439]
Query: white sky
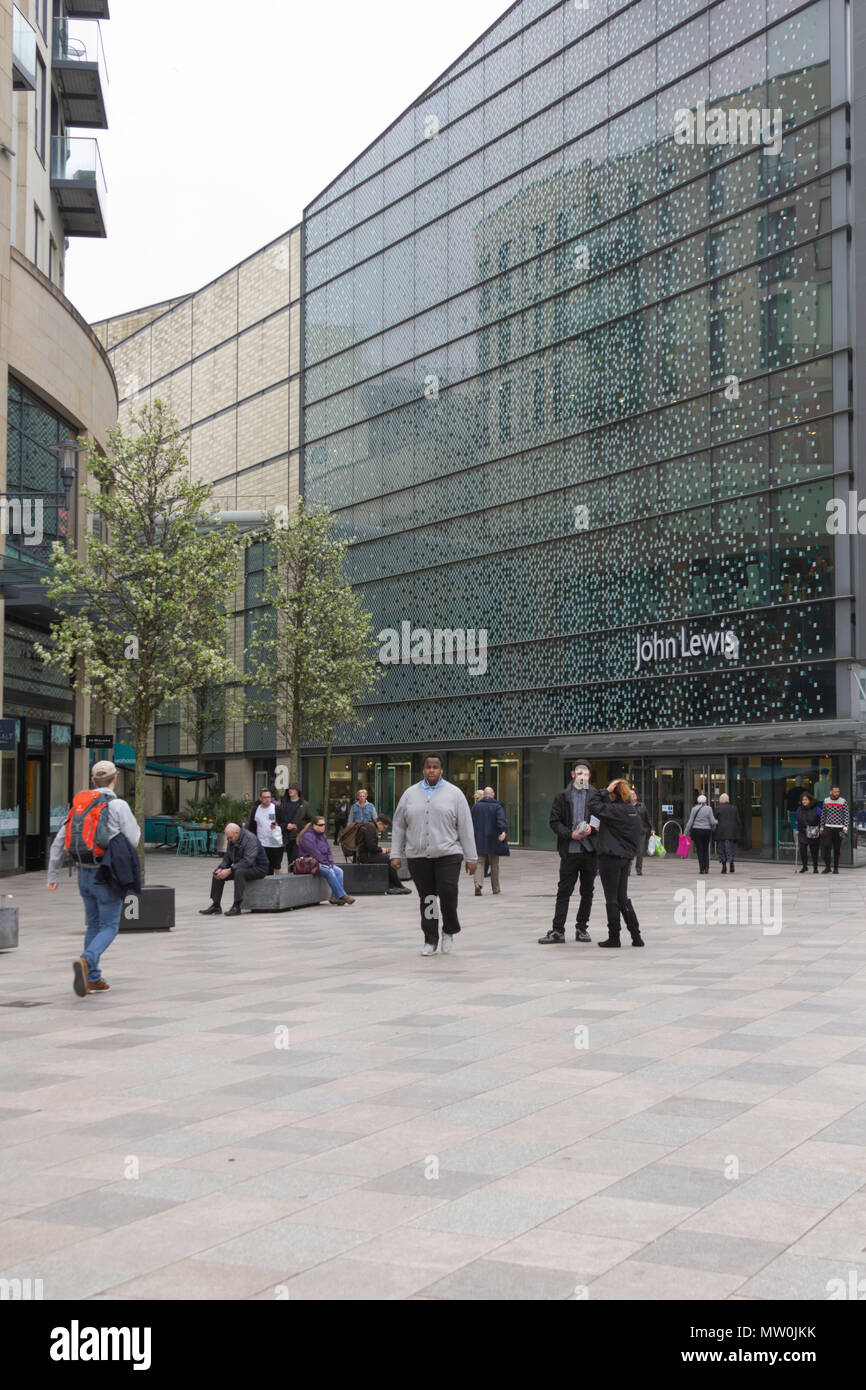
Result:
[226,119]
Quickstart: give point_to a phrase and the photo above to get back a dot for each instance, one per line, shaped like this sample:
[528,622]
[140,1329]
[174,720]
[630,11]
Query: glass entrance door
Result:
[669,802]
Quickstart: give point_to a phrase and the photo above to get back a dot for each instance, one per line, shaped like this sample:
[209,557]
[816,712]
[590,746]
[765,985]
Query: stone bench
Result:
[281,892]
[365,878]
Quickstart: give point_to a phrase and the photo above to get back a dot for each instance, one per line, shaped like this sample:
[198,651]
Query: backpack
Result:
[350,839]
[87,827]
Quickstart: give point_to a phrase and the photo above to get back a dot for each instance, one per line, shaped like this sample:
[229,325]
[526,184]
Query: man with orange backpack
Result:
[95,818]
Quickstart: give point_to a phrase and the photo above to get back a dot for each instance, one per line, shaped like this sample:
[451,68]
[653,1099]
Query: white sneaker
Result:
[447,943]
[428,949]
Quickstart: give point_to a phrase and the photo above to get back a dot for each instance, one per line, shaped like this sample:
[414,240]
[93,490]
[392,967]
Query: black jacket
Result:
[621,833]
[729,826]
[808,815]
[560,821]
[645,824]
[299,813]
[245,853]
[368,843]
[120,867]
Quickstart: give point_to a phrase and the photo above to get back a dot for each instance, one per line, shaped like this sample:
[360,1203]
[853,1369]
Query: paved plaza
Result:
[300,1106]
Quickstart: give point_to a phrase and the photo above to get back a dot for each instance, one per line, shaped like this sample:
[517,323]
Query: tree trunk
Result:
[141,733]
[326,781]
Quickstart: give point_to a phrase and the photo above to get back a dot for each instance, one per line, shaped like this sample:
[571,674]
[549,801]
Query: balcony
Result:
[78,63]
[23,53]
[78,184]
[87,9]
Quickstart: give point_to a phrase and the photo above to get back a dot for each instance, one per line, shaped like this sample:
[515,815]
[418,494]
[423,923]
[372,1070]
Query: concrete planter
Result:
[150,910]
[8,928]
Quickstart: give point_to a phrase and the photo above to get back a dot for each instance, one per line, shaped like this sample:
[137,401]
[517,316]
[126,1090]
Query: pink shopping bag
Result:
[684,846]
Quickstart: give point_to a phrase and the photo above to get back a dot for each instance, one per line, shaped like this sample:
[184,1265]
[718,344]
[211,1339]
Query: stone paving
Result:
[300,1106]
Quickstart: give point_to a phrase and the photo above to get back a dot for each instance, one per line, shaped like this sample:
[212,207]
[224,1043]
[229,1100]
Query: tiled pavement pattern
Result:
[436,1128]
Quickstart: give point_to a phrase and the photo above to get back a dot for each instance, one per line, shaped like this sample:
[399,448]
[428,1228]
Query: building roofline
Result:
[70,308]
[184,299]
[421,95]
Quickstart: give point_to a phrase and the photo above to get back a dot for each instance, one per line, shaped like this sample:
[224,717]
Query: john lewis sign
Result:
[719,642]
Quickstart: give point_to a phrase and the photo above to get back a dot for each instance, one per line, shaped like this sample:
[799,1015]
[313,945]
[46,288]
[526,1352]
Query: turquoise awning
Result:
[188,774]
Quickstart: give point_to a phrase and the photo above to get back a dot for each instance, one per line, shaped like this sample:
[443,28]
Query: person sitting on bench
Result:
[244,859]
[370,853]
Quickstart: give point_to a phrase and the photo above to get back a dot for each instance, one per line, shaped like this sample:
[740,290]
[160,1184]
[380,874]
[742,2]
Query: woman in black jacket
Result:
[808,831]
[619,838]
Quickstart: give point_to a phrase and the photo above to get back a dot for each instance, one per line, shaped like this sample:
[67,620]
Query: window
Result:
[38,223]
[52,259]
[39,130]
[42,16]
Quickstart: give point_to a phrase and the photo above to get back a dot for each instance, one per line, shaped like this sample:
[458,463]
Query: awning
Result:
[188,774]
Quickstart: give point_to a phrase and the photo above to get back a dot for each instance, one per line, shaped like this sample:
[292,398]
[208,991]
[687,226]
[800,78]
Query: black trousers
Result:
[832,847]
[614,880]
[240,878]
[275,856]
[702,845]
[292,851]
[808,847]
[381,857]
[574,869]
[437,878]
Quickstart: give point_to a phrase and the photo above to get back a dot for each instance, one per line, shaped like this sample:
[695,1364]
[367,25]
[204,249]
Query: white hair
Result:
[702,801]
[724,797]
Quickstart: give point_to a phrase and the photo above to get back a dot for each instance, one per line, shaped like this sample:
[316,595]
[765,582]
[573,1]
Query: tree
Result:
[310,651]
[206,710]
[143,612]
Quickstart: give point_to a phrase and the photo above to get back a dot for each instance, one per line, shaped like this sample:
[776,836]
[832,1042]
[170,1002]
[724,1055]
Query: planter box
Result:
[280,892]
[365,878]
[150,910]
[8,928]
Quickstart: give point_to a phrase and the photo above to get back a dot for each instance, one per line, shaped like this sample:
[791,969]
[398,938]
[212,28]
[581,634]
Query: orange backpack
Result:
[87,827]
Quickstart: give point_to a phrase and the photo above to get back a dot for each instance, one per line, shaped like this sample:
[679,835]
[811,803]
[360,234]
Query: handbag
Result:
[305,864]
[812,832]
[684,846]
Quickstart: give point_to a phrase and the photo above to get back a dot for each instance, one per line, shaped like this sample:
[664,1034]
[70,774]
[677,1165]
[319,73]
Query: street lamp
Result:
[68,453]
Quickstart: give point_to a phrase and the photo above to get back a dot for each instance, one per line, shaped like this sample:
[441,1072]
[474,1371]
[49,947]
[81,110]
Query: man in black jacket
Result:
[244,859]
[576,842]
[646,830]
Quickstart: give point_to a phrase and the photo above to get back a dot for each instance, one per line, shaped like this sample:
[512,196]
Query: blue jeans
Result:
[333,876]
[726,851]
[102,908]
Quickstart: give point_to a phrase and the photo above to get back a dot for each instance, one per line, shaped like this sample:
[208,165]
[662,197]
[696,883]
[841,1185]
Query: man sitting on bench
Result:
[370,853]
[244,859]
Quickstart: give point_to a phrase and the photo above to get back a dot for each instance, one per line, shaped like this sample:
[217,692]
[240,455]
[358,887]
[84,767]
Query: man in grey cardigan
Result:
[432,824]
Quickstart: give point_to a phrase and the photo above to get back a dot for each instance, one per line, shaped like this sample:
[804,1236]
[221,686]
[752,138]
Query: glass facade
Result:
[577,377]
[572,383]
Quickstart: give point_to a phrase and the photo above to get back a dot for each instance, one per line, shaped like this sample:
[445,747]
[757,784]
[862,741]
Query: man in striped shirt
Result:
[834,824]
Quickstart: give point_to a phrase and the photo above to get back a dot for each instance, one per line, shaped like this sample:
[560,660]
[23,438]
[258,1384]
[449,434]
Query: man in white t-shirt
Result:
[266,822]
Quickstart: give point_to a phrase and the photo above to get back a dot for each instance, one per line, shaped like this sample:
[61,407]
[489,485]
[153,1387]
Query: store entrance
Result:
[677,784]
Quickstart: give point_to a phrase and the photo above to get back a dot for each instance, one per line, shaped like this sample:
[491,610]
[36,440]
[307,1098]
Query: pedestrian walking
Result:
[267,822]
[296,815]
[315,842]
[729,830]
[433,828]
[576,841]
[620,833]
[99,823]
[700,826]
[363,809]
[341,817]
[370,853]
[244,860]
[646,830]
[491,838]
[835,820]
[808,832]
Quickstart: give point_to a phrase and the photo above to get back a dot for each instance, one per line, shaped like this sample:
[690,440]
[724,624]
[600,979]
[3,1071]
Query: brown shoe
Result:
[478,890]
[80,973]
[97,986]
[347,898]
